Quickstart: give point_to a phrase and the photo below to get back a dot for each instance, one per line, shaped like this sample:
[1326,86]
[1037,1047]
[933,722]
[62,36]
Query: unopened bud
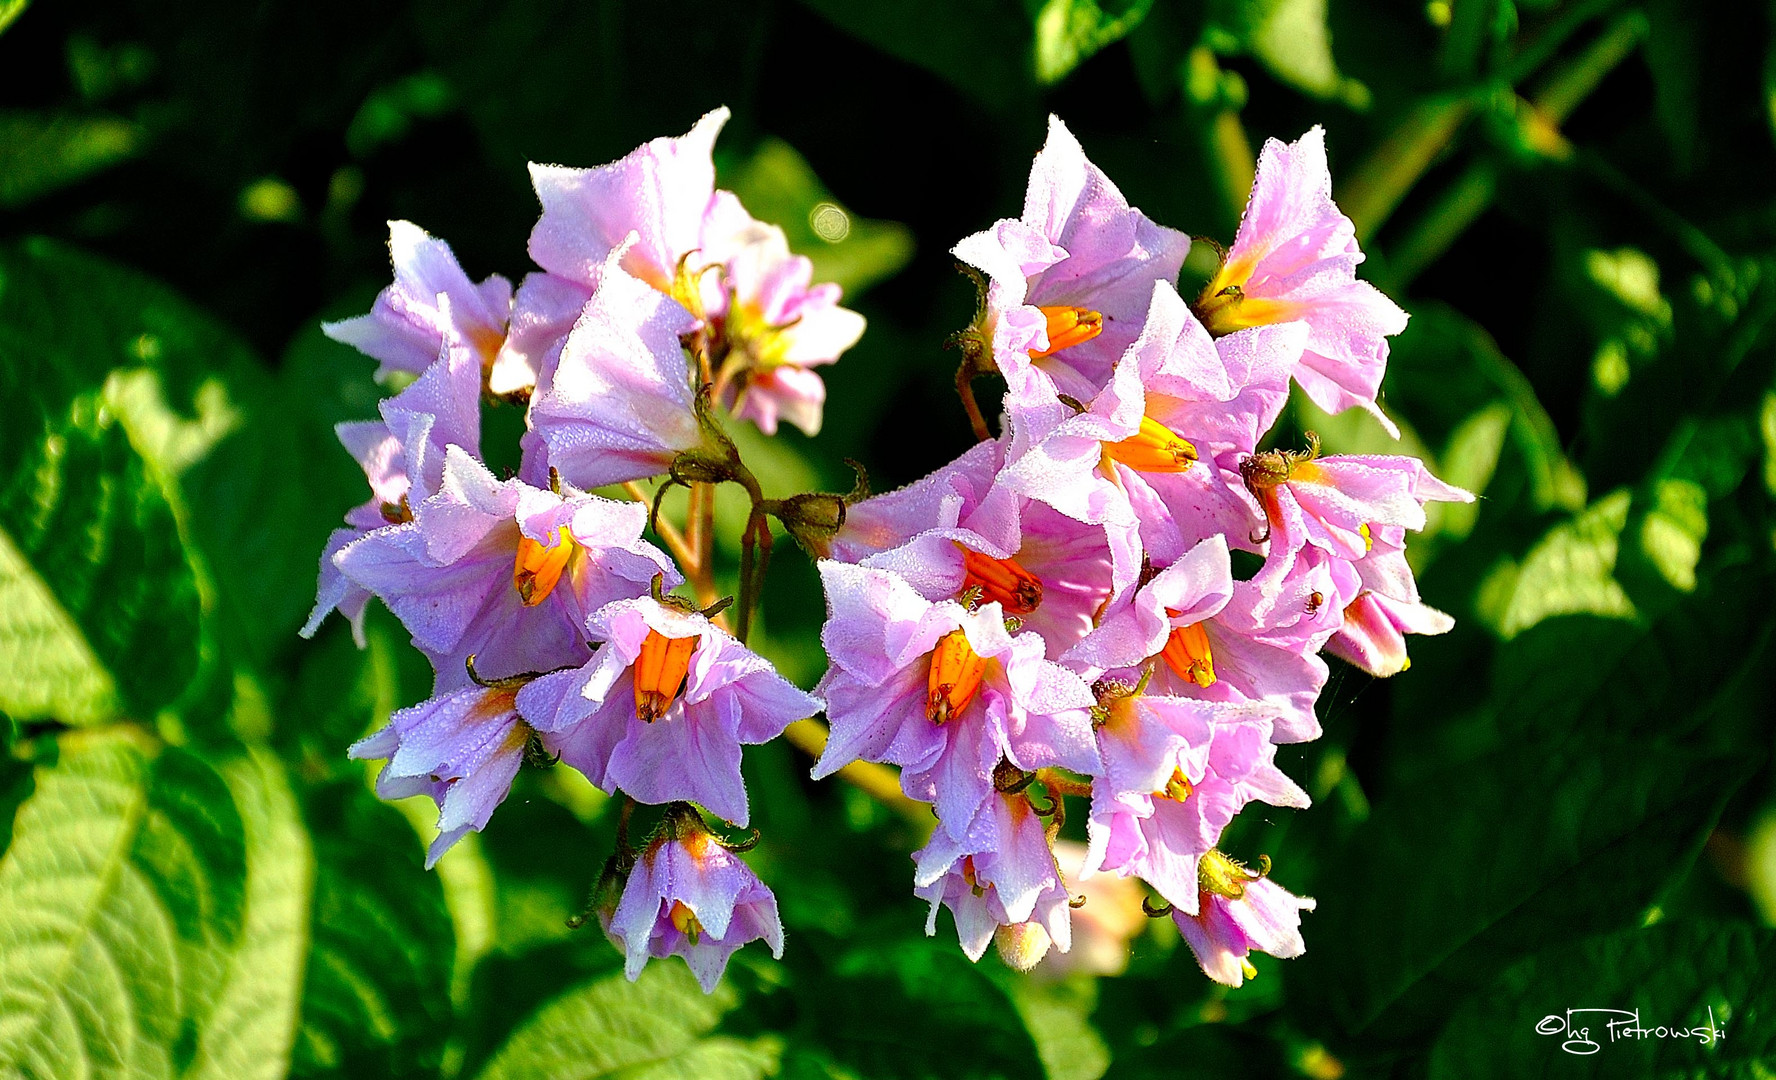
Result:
[1022,945]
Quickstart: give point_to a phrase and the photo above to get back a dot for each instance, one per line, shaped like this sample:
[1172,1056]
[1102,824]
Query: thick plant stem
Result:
[877,781]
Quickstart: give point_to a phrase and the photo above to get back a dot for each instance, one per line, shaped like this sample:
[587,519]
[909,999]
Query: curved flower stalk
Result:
[431,301]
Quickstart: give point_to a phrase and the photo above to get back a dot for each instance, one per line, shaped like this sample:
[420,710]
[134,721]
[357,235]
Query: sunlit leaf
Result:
[1570,571]
[1069,32]
[41,152]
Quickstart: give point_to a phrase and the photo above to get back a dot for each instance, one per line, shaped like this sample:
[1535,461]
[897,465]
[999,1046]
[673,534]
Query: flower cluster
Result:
[1058,607]
[1053,615]
[546,614]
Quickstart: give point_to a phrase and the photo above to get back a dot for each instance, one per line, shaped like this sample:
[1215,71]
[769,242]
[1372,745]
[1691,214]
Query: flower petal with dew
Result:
[504,571]
[1080,259]
[944,692]
[689,896]
[461,747]
[1373,634]
[1295,259]
[663,706]
[430,299]
[543,313]
[1008,882]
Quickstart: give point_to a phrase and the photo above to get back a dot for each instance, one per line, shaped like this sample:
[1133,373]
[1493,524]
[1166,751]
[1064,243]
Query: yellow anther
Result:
[1067,327]
[660,673]
[537,569]
[955,678]
[1153,449]
[1017,590]
[1188,654]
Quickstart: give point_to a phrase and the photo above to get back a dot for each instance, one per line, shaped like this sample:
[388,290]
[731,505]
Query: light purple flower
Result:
[431,298]
[624,721]
[1295,258]
[1160,834]
[461,747]
[773,321]
[1338,503]
[1238,912]
[943,692]
[1078,245]
[543,312]
[1160,444]
[504,571]
[1192,626]
[1009,881]
[689,896]
[960,494]
[403,459]
[619,402]
[660,192]
[1373,634]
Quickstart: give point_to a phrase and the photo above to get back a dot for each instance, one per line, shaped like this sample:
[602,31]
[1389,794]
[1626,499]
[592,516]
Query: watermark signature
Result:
[1620,1024]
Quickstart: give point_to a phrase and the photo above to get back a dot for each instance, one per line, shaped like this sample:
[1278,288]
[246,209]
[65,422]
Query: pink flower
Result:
[1238,912]
[943,692]
[1373,634]
[619,403]
[504,571]
[544,310]
[689,896]
[1068,282]
[431,298]
[1295,258]
[663,706]
[403,458]
[961,494]
[1339,503]
[1010,882]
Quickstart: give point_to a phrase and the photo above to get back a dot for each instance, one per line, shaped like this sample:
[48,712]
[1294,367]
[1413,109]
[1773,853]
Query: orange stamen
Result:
[660,673]
[1178,787]
[956,671]
[538,568]
[1154,449]
[1017,590]
[1067,327]
[1187,653]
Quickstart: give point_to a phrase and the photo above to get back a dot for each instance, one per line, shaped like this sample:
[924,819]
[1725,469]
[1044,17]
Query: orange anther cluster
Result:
[537,568]
[956,671]
[1187,654]
[1067,327]
[1178,787]
[1017,590]
[660,673]
[1153,449]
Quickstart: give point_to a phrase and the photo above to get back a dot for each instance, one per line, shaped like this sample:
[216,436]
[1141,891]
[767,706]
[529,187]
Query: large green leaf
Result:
[122,898]
[659,1026]
[250,1033]
[40,152]
[376,1001]
[1711,980]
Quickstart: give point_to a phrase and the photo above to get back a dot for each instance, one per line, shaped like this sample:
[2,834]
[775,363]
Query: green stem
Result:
[1381,181]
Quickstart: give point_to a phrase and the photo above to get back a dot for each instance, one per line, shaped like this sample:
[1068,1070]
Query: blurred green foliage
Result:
[1566,802]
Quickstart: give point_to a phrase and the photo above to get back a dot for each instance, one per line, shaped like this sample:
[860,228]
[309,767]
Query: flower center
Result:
[956,671]
[660,673]
[1017,590]
[1178,788]
[1153,449]
[1226,877]
[686,921]
[537,569]
[1188,654]
[1067,327]
[968,875]
[486,341]
[1224,306]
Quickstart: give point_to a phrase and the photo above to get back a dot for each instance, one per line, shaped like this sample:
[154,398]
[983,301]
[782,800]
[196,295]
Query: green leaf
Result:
[1058,1016]
[1570,571]
[10,10]
[1069,32]
[250,1033]
[778,186]
[40,151]
[1685,975]
[658,1026]
[1291,39]
[376,1000]
[121,900]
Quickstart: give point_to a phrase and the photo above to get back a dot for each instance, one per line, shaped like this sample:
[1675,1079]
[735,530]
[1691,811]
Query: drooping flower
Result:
[944,692]
[1160,443]
[619,403]
[431,298]
[1373,634]
[504,571]
[663,707]
[1068,282]
[1295,259]
[403,459]
[1010,884]
[690,896]
[1240,911]
[461,747]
